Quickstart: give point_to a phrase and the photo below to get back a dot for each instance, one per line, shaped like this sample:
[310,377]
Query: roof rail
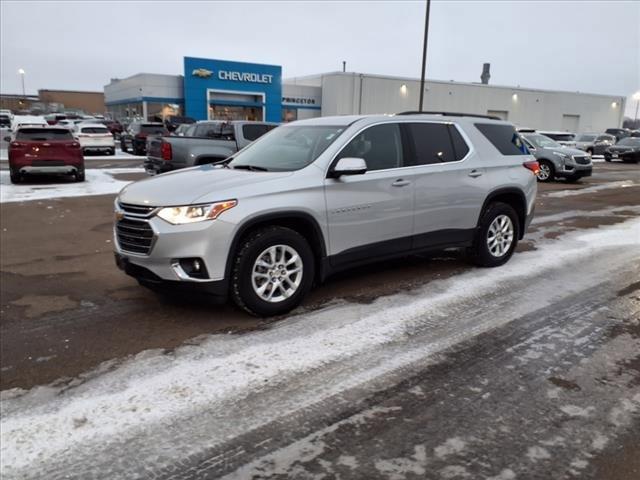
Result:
[451,114]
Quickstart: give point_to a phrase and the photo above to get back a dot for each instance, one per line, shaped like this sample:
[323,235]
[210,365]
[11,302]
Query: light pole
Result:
[21,72]
[424,54]
[636,97]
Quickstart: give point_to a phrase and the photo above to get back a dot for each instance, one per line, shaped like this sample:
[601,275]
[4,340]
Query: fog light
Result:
[193,267]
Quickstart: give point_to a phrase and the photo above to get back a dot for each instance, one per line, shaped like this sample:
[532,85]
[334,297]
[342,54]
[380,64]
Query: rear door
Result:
[371,214]
[449,184]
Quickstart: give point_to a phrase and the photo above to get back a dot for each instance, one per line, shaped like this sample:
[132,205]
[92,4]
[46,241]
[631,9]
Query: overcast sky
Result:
[578,46]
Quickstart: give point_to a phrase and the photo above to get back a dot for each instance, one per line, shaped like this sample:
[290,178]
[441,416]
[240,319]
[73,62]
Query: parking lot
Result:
[559,342]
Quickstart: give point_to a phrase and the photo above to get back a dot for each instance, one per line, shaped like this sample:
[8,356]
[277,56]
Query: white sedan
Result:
[94,137]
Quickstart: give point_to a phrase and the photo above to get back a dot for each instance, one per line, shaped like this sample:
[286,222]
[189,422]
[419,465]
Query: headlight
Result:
[195,213]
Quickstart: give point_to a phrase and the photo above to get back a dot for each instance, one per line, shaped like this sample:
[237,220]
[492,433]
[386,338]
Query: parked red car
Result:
[44,150]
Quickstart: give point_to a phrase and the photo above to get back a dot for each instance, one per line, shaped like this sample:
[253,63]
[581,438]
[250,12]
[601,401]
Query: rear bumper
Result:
[49,170]
[157,165]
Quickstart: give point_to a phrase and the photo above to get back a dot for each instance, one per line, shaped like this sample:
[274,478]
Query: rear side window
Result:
[94,130]
[380,146]
[252,132]
[504,138]
[43,134]
[460,147]
[431,143]
[219,131]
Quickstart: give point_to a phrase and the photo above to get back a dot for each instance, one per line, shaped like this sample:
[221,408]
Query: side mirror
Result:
[349,166]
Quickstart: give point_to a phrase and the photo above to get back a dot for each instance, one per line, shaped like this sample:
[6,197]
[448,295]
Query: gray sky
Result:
[577,46]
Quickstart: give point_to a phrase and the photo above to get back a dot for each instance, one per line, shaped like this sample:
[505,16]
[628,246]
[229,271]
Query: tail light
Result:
[165,151]
[141,136]
[534,166]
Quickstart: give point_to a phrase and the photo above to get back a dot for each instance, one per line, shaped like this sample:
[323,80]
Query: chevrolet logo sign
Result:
[202,73]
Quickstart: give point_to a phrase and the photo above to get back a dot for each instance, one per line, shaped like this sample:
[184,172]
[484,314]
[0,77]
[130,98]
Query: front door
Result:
[371,214]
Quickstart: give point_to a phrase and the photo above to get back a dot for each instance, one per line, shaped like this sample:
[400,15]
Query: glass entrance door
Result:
[228,112]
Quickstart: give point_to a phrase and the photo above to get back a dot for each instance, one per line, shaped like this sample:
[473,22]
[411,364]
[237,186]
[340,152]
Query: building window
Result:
[289,114]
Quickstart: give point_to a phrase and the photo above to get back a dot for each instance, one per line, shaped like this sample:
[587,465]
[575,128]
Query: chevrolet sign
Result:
[202,73]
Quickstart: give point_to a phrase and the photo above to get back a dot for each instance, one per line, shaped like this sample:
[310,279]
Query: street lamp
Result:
[636,97]
[21,72]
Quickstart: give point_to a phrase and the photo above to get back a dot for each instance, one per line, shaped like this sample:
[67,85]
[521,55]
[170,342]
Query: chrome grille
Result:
[138,210]
[135,236]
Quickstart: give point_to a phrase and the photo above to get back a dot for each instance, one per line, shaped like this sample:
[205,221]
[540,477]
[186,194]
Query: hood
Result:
[184,187]
[574,152]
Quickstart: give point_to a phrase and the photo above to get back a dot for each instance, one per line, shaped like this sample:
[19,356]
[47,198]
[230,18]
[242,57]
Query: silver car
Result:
[317,196]
[558,161]
[594,143]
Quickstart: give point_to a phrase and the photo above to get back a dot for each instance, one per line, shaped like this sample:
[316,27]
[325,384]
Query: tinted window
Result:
[4,121]
[460,147]
[153,129]
[94,130]
[190,131]
[219,131]
[630,142]
[380,146]
[431,144]
[504,138]
[251,132]
[43,134]
[586,138]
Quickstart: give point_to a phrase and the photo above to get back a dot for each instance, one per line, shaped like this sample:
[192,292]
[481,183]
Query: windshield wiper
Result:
[253,168]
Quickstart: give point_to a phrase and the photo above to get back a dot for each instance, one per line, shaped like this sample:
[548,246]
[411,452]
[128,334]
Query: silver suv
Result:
[318,196]
[557,161]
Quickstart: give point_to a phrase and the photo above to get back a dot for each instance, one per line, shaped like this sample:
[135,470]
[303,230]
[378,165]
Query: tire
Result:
[79,176]
[245,287]
[547,171]
[607,158]
[138,152]
[480,252]
[15,176]
[112,151]
[123,147]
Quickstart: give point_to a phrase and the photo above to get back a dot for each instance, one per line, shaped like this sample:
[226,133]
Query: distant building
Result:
[218,89]
[55,101]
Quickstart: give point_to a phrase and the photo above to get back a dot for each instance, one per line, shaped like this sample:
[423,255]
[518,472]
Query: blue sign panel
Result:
[214,84]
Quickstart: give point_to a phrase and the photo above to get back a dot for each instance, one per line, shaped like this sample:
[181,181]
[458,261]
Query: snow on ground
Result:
[153,390]
[98,182]
[595,188]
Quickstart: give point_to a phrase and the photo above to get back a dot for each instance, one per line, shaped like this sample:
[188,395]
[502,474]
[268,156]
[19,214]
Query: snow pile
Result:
[153,390]
[595,188]
[98,182]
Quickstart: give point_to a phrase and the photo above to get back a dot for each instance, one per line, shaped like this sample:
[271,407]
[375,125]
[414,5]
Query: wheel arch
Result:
[299,221]
[511,196]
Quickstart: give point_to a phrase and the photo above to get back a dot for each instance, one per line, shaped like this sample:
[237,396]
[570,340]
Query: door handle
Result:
[401,183]
[475,173]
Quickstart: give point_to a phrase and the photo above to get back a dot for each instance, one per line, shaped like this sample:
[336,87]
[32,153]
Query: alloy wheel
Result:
[277,273]
[500,235]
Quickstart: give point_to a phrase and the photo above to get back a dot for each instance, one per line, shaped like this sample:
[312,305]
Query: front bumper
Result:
[217,288]
[575,171]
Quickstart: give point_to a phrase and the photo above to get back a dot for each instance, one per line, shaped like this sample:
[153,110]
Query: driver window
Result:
[380,146]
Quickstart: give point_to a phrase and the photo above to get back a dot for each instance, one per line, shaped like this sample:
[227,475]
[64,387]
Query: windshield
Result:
[586,138]
[630,142]
[560,137]
[287,148]
[540,141]
[100,130]
[43,134]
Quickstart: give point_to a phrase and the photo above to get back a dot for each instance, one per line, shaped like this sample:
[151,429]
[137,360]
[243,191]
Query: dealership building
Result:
[218,89]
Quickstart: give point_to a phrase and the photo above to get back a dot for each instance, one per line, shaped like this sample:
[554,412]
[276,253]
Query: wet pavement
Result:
[549,388]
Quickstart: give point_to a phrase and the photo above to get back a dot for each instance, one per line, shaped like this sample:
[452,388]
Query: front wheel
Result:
[496,237]
[272,272]
[546,172]
[607,158]
[79,176]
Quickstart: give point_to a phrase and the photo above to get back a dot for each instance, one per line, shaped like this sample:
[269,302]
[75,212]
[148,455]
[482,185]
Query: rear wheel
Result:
[112,151]
[123,146]
[546,173]
[79,176]
[496,237]
[272,272]
[15,175]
